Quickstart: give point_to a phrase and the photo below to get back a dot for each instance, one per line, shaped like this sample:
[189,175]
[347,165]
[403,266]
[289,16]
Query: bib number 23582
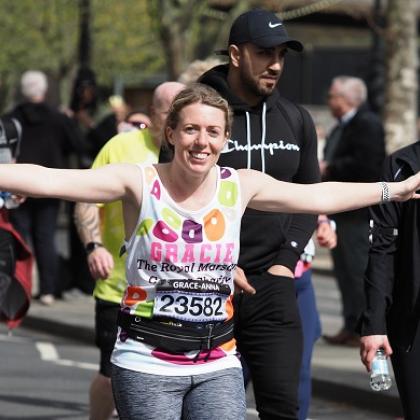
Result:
[189,305]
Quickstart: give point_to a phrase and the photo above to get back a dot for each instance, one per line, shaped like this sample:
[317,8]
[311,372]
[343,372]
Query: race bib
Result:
[191,300]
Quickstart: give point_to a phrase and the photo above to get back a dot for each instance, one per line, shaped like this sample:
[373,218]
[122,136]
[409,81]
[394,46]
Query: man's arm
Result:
[379,277]
[87,221]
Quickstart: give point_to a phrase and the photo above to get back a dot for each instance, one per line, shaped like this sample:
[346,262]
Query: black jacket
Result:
[48,136]
[276,137]
[360,152]
[393,275]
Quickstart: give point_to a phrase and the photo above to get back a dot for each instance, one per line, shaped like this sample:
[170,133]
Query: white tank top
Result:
[179,268]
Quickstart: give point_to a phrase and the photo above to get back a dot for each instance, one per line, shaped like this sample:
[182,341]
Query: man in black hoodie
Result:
[272,135]
[47,139]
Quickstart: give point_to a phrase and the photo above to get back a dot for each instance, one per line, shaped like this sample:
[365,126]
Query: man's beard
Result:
[253,87]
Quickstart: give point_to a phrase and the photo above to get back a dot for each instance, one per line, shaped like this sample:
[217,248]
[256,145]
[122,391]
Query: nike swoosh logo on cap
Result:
[274,25]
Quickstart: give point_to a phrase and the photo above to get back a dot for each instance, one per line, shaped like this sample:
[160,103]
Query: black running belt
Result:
[175,339]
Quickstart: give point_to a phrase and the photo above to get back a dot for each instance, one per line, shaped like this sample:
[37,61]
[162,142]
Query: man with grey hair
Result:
[48,136]
[34,85]
[354,152]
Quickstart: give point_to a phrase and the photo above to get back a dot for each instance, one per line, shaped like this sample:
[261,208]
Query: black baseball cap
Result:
[262,28]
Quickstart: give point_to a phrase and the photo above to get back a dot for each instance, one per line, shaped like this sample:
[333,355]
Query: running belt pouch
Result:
[172,338]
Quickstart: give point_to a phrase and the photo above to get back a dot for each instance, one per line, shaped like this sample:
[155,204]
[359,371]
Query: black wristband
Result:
[91,246]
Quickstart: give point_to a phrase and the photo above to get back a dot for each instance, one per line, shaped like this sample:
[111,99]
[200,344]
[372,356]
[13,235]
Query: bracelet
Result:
[386,195]
[91,246]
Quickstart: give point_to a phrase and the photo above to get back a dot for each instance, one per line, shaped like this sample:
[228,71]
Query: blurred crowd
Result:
[62,138]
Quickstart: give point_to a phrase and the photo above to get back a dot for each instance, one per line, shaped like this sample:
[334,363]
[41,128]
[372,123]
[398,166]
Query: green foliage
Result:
[44,35]
[37,34]
[124,43]
[131,40]
[191,29]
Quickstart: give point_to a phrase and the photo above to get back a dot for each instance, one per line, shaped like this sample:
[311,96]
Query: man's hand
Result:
[100,263]
[326,235]
[368,347]
[241,282]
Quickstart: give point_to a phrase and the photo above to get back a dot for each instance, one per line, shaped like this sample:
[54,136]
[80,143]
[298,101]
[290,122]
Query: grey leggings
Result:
[217,395]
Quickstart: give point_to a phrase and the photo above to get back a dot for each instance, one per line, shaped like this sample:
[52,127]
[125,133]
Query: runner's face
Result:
[199,137]
[260,68]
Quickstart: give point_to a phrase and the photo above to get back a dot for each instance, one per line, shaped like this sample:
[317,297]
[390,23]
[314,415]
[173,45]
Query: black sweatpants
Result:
[350,258]
[269,337]
[36,220]
[407,375]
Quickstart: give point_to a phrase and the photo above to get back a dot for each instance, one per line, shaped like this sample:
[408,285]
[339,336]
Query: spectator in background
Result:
[107,127]
[354,152]
[48,138]
[83,110]
[15,257]
[101,231]
[83,104]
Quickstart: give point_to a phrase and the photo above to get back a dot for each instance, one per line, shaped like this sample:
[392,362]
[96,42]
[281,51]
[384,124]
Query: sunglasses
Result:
[138,124]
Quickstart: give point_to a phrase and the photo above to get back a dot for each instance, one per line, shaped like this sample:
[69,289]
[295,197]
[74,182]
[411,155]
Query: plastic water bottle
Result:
[379,375]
